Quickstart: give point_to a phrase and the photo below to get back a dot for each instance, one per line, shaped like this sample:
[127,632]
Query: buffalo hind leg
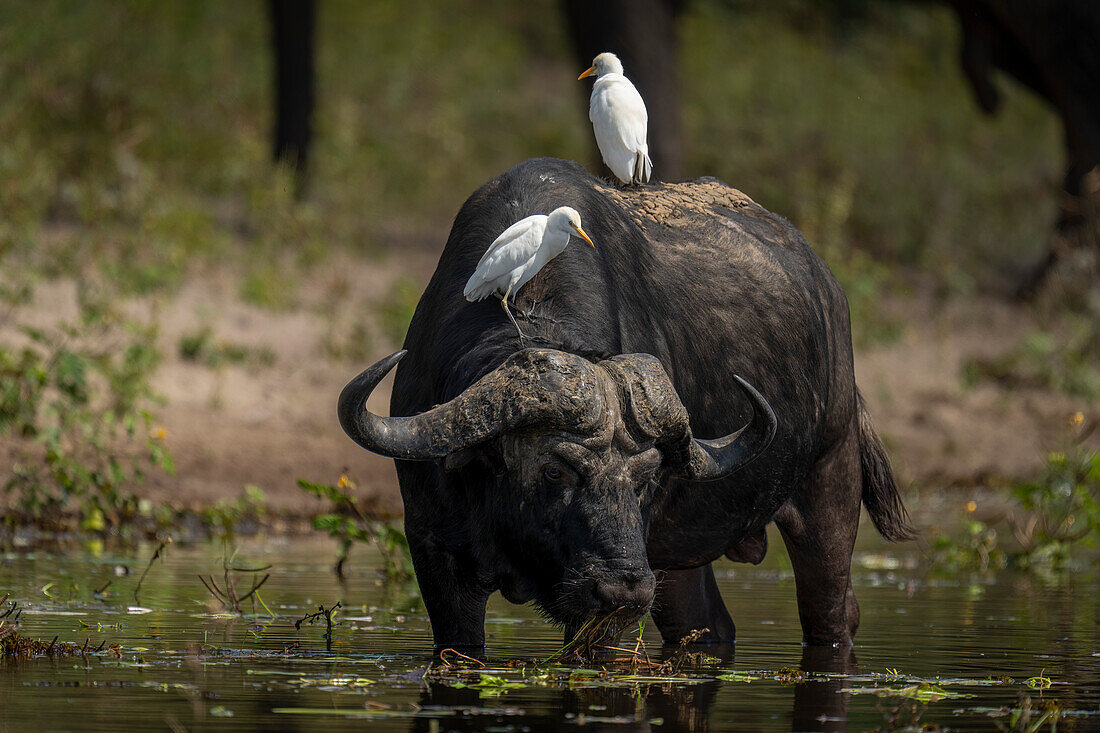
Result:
[819,528]
[688,600]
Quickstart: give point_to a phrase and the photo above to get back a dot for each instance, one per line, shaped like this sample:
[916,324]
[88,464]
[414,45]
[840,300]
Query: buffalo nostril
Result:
[632,591]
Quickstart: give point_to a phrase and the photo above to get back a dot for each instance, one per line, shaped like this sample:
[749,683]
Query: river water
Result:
[960,652]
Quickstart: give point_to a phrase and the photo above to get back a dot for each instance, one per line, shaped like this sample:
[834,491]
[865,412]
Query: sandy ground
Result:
[269,425]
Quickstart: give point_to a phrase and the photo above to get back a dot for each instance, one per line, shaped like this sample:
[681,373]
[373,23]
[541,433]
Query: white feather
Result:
[513,249]
[620,121]
[520,252]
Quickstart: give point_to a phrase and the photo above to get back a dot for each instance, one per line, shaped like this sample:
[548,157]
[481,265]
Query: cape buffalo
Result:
[565,469]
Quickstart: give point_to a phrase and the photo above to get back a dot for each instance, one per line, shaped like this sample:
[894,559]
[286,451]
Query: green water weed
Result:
[348,526]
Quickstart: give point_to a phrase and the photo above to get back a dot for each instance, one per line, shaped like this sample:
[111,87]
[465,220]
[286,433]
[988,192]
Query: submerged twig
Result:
[5,628]
[678,658]
[321,612]
[153,559]
[13,644]
[460,655]
[229,597]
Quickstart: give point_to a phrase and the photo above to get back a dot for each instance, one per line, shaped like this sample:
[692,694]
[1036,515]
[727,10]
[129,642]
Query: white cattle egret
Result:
[520,252]
[619,119]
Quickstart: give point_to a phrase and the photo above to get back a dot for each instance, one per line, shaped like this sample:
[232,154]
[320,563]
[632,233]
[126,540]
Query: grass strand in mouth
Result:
[588,637]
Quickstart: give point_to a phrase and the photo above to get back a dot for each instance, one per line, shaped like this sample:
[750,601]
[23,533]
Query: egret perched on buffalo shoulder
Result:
[619,119]
[520,252]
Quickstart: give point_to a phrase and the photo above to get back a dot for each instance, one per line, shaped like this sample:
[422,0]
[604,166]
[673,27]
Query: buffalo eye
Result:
[554,474]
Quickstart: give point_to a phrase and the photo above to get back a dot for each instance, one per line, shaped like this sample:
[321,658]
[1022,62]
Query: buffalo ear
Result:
[481,455]
[458,459]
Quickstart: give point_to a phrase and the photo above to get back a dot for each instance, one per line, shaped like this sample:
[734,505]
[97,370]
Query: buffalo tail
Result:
[880,488]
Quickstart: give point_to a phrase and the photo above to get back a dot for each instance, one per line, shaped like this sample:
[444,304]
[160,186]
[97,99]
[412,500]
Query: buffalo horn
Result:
[550,388]
[715,459]
[656,411]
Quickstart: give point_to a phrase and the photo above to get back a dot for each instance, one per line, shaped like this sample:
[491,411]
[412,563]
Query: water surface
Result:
[182,663]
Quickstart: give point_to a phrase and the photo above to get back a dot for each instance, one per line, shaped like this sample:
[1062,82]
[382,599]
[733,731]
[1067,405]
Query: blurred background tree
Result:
[1048,47]
[136,146]
[155,112]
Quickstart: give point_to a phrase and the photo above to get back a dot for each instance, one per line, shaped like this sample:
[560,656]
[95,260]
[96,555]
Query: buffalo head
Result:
[578,453]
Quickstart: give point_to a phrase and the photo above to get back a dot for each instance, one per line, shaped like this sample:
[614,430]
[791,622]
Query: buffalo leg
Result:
[819,529]
[688,600]
[454,601]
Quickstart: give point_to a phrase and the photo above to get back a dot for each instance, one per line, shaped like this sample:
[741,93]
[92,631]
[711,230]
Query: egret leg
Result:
[527,313]
[504,305]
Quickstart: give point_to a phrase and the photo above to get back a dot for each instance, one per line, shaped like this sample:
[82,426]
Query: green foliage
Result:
[976,550]
[1063,359]
[1050,516]
[141,156]
[200,346]
[922,692]
[1059,510]
[224,516]
[351,343]
[80,394]
[489,685]
[347,525]
[145,155]
[269,287]
[825,217]
[1027,717]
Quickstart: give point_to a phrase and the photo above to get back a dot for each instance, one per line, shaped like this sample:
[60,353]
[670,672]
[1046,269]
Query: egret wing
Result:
[624,105]
[514,232]
[513,248]
[620,121]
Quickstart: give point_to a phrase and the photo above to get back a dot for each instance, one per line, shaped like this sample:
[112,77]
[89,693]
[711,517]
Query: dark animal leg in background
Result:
[1078,227]
[292,23]
[687,600]
[642,33]
[1048,47]
[820,533]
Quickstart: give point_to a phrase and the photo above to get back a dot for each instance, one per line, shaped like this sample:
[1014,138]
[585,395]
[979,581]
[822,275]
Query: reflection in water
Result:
[816,705]
[819,704]
[672,707]
[185,668]
[684,708]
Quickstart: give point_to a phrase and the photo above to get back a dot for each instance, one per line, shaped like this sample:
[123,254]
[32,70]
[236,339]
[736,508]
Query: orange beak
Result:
[591,70]
[582,235]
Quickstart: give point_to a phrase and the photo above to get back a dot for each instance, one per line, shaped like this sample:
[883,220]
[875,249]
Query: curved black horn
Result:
[552,388]
[714,459]
[374,433]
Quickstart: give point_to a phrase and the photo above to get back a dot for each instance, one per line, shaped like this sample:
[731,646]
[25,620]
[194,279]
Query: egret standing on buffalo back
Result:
[520,252]
[619,119]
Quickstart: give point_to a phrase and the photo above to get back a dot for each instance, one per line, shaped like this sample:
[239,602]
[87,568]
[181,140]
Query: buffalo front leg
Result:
[819,528]
[688,600]
[455,600]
